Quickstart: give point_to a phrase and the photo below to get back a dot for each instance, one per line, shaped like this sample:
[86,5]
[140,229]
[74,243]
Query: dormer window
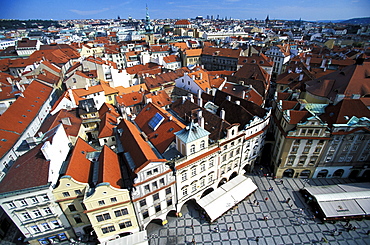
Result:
[192,149]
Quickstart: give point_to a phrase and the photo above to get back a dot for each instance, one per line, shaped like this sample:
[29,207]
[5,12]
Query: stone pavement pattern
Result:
[284,225]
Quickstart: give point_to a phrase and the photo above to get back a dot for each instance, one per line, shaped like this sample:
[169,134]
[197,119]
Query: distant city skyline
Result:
[237,9]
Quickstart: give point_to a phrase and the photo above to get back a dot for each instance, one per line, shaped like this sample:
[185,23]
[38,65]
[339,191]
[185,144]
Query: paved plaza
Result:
[245,224]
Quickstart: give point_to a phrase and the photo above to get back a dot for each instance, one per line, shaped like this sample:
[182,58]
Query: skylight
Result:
[156,121]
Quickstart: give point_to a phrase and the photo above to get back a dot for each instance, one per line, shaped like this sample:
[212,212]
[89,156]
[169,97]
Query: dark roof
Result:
[30,170]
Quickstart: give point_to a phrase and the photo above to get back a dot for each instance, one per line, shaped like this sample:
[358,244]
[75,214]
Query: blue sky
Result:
[239,9]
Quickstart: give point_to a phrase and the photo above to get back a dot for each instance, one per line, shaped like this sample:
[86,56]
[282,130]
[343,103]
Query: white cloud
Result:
[89,12]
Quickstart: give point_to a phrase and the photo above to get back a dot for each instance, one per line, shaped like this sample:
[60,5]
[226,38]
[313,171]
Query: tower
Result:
[149,29]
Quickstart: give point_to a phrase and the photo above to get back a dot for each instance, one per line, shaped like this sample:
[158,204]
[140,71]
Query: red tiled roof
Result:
[107,124]
[221,52]
[29,170]
[130,99]
[79,166]
[182,22]
[21,113]
[109,168]
[171,59]
[132,141]
[54,120]
[159,98]
[163,136]
[150,68]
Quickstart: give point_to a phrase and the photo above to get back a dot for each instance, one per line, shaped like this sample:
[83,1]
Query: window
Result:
[294,149]
[66,194]
[158,208]
[147,188]
[36,213]
[47,211]
[306,149]
[145,214]
[11,205]
[185,191]
[312,160]
[35,229]
[346,147]
[77,219]
[34,200]
[125,224]
[224,158]
[302,160]
[156,121]
[168,191]
[194,186]
[193,171]
[121,212]
[202,181]
[78,192]
[169,202]
[113,199]
[303,131]
[317,150]
[148,173]
[192,149]
[142,203]
[211,162]
[102,217]
[108,229]
[55,223]
[183,176]
[155,196]
[23,202]
[309,142]
[231,154]
[155,171]
[101,202]
[161,181]
[320,142]
[210,178]
[45,226]
[316,132]
[202,144]
[238,151]
[72,208]
[290,160]
[26,216]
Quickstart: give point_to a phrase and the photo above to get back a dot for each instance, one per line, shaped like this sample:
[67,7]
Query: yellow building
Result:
[72,186]
[108,205]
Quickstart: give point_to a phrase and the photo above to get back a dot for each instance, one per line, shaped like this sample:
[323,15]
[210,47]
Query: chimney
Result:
[323,63]
[222,114]
[190,97]
[300,77]
[183,99]
[308,60]
[228,98]
[200,102]
[200,76]
[87,87]
[193,77]
[237,102]
[338,98]
[243,95]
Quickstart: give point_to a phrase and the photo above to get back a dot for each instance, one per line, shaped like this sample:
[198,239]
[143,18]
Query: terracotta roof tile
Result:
[109,168]
[79,167]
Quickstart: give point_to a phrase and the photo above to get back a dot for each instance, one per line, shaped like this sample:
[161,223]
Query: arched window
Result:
[192,149]
[202,144]
[184,191]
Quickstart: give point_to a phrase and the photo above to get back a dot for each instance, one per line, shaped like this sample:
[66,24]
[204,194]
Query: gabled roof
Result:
[191,133]
[130,99]
[196,52]
[135,88]
[163,135]
[244,92]
[107,124]
[221,52]
[108,108]
[159,98]
[297,116]
[171,59]
[201,79]
[182,22]
[182,45]
[134,144]
[253,71]
[345,110]
[353,79]
[71,123]
[150,68]
[80,167]
[109,168]
[21,113]
[29,170]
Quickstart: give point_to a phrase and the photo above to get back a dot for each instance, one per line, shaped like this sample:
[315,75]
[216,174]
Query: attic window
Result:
[24,116]
[4,140]
[33,105]
[29,110]
[156,121]
[171,129]
[20,121]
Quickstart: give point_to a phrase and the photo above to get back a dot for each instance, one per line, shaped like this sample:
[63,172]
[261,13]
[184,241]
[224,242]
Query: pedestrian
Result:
[266,198]
[347,223]
[192,226]
[350,226]
[354,228]
[193,241]
[368,232]
[291,205]
[301,210]
[254,202]
[257,238]
[216,229]
[265,218]
[339,233]
[287,200]
[258,203]
[313,217]
[230,228]
[281,181]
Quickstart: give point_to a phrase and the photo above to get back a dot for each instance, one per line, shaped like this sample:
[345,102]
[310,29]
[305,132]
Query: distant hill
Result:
[357,21]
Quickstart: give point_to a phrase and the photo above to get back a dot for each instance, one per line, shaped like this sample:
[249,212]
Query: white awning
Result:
[226,196]
[342,208]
